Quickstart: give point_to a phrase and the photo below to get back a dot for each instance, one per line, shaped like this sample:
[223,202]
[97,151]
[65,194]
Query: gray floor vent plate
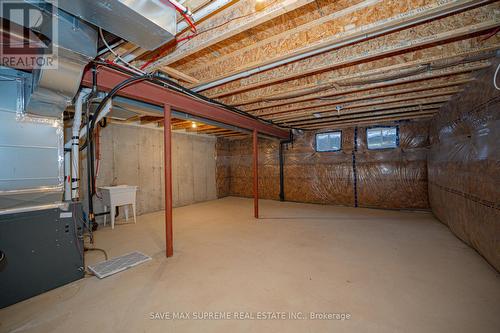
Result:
[118,264]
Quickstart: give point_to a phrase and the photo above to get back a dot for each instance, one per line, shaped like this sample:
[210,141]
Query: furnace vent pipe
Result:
[75,143]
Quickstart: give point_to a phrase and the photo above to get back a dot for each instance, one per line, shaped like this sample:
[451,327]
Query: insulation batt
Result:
[464,164]
[392,178]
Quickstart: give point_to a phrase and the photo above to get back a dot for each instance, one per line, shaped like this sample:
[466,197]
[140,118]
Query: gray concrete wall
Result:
[133,155]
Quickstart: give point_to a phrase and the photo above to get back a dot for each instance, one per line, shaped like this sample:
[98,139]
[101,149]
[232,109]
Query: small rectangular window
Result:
[382,137]
[331,141]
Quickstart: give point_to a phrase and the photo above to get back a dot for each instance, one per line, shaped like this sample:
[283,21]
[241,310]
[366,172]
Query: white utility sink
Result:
[121,195]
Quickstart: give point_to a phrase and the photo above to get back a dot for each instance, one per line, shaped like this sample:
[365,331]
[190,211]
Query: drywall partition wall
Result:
[393,178]
[133,155]
[464,164]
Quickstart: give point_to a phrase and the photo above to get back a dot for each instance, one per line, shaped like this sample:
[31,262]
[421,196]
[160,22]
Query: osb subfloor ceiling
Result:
[314,64]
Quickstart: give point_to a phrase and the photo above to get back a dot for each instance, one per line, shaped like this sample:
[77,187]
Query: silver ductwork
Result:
[75,47]
[31,108]
[148,24]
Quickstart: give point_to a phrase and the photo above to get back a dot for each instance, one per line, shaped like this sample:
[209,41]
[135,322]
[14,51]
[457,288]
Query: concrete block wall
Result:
[133,155]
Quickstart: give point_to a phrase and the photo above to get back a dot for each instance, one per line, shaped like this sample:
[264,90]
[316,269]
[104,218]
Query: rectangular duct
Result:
[74,48]
[148,24]
[31,108]
[31,148]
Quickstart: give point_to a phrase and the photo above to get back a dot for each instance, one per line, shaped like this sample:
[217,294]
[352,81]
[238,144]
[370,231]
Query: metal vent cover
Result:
[118,264]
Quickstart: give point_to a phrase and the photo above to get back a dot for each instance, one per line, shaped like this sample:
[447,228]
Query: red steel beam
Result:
[108,78]
[167,160]
[255,174]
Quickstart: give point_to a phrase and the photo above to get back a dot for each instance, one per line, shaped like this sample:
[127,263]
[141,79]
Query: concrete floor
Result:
[391,271]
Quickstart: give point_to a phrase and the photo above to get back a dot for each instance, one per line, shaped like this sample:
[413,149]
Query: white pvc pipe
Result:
[181,7]
[75,139]
[105,110]
[67,171]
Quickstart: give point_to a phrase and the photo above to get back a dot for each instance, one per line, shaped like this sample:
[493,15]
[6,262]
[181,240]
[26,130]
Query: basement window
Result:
[382,137]
[331,141]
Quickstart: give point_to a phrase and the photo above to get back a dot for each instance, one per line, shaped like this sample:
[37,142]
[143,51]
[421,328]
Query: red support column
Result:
[167,143]
[255,174]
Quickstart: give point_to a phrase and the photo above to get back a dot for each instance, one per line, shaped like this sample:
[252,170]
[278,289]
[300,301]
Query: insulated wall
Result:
[464,164]
[235,168]
[354,176]
[133,155]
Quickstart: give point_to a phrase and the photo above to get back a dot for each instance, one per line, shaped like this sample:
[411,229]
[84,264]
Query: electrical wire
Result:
[495,78]
[234,19]
[75,226]
[165,82]
[97,249]
[117,56]
[186,39]
[187,16]
[97,159]
[186,13]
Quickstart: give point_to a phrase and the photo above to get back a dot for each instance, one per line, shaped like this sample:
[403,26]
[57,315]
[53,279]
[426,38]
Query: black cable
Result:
[103,102]
[97,249]
[165,82]
[111,94]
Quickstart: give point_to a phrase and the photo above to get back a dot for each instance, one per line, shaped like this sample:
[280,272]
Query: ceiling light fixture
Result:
[193,124]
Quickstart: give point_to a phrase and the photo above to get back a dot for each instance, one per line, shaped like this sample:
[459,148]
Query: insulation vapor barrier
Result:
[463,166]
[354,176]
[235,168]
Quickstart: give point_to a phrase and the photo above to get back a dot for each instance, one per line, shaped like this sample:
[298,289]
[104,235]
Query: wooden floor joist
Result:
[334,30]
[454,71]
[314,64]
[373,120]
[327,110]
[443,30]
[224,28]
[398,111]
[370,98]
[458,51]
[334,114]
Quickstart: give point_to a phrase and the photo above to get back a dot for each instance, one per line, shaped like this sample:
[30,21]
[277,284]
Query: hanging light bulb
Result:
[193,124]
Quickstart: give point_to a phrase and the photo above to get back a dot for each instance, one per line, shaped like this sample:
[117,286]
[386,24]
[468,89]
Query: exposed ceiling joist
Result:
[373,120]
[326,110]
[447,72]
[226,24]
[365,51]
[398,111]
[459,51]
[178,74]
[314,64]
[333,115]
[359,96]
[375,18]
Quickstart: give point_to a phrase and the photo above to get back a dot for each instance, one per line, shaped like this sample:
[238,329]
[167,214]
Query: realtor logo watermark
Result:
[29,33]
